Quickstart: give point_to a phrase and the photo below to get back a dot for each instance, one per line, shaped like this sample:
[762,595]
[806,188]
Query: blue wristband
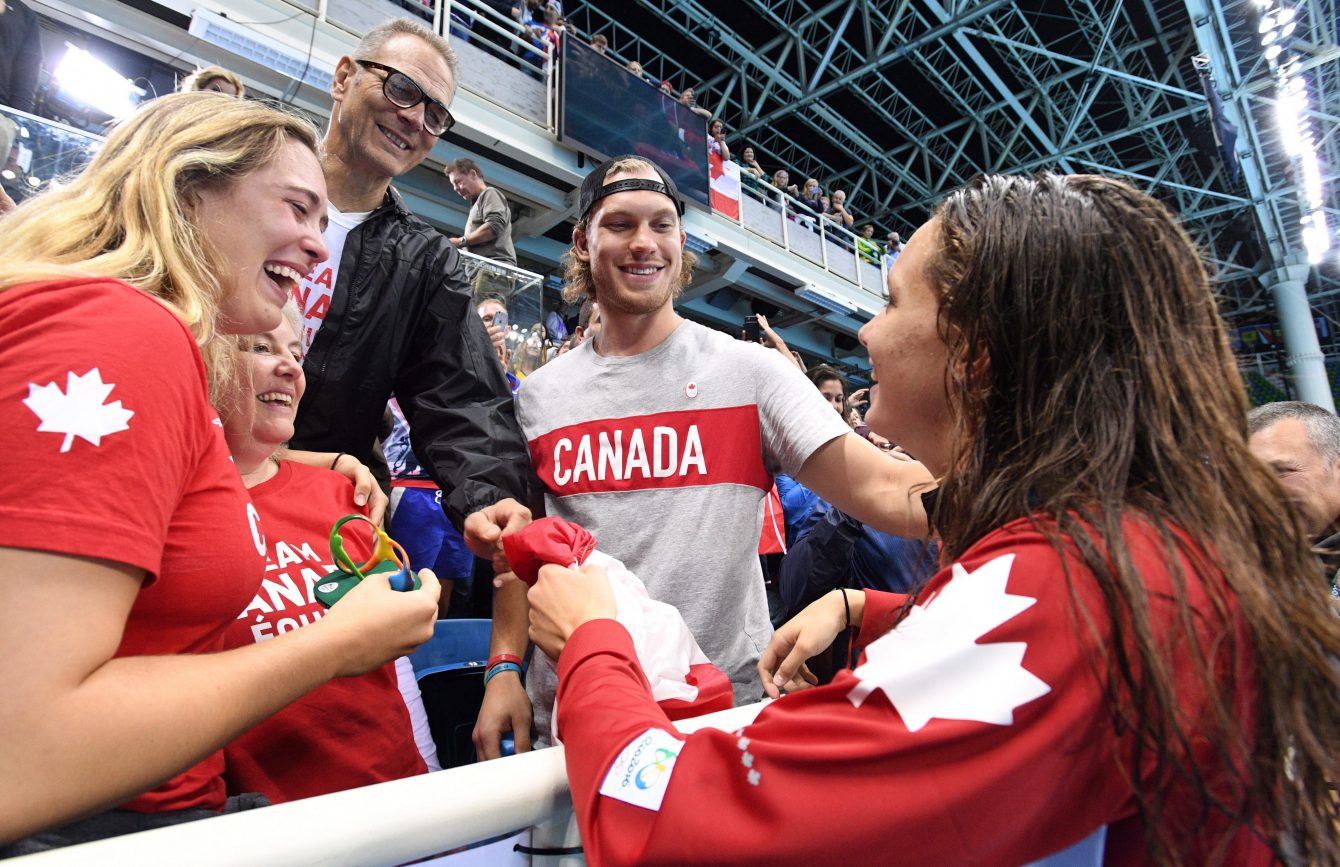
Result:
[498,668]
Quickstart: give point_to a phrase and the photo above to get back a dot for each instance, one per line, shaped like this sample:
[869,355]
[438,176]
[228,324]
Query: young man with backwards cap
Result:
[671,448]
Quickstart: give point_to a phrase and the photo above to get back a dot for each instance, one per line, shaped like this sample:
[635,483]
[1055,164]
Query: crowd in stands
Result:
[1045,585]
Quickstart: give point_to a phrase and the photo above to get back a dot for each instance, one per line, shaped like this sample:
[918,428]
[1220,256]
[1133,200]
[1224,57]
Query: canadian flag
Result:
[724,182]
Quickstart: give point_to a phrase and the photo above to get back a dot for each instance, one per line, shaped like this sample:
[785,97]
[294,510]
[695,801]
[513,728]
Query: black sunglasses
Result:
[401,90]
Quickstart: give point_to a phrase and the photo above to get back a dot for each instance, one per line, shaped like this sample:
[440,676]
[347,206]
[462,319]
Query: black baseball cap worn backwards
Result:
[594,187]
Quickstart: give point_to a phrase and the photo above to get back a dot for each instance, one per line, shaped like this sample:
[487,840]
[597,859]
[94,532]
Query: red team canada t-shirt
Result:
[352,731]
[109,448]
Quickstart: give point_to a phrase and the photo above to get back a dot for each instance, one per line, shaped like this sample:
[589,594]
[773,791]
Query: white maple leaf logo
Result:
[931,666]
[78,411]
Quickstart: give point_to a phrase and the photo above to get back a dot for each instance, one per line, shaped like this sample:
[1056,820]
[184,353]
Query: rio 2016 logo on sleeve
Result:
[640,774]
[650,773]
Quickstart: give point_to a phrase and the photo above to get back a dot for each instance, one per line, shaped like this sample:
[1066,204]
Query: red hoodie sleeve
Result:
[993,748]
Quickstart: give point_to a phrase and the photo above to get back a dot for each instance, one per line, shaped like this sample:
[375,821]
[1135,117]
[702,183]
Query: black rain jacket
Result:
[402,322]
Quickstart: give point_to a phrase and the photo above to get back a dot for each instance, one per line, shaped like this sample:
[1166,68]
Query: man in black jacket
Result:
[390,311]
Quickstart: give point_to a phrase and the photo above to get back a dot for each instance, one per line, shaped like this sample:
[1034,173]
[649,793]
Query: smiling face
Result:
[265,234]
[371,132]
[749,155]
[635,247]
[271,368]
[909,404]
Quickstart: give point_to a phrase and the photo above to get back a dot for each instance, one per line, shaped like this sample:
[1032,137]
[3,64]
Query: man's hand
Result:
[499,339]
[506,708]
[484,530]
[457,241]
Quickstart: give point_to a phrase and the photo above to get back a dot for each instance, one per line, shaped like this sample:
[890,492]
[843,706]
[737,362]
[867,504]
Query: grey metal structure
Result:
[899,102]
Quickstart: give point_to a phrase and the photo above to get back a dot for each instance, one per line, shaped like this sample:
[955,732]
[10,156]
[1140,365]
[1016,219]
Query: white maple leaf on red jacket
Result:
[79,411]
[931,667]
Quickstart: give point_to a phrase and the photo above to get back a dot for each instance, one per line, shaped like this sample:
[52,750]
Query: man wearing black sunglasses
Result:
[390,311]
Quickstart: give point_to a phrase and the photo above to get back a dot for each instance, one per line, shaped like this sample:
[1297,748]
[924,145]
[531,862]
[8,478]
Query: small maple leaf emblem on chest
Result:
[78,411]
[931,666]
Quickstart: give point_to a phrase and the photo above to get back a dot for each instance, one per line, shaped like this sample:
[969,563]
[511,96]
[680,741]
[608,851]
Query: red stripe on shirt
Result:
[680,449]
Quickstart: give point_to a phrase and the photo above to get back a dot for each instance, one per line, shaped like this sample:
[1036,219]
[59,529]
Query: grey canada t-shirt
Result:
[665,457]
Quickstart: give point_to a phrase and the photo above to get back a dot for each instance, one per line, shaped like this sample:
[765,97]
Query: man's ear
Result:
[345,71]
[579,245]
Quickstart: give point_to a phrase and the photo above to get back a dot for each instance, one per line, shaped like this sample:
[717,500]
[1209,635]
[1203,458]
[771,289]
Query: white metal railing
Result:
[387,824]
[473,16]
[791,224]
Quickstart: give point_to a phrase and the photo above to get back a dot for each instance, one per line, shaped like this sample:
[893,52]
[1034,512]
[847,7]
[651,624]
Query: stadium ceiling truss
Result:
[901,102]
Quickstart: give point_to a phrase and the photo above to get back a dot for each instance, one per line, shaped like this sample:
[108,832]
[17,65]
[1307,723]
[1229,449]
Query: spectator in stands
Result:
[781,179]
[488,226]
[866,245]
[214,79]
[716,139]
[830,384]
[297,753]
[389,311]
[636,68]
[20,55]
[667,89]
[550,29]
[135,545]
[1169,670]
[1300,442]
[492,309]
[699,552]
[689,101]
[600,44]
[892,248]
[837,208]
[810,195]
[749,167]
[528,12]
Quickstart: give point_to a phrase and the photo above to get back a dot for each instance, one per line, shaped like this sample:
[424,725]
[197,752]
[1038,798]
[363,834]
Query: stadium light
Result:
[94,83]
[1293,114]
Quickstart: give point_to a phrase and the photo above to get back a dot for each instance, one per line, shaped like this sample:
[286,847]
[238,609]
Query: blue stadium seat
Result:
[450,670]
[454,643]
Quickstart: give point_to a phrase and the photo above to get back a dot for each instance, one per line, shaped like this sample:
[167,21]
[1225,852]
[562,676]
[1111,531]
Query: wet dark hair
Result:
[1091,384]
